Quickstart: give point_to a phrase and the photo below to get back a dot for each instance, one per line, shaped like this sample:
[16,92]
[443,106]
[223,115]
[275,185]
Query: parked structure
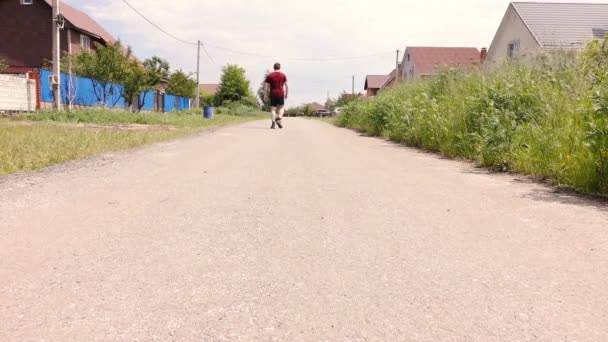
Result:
[26,33]
[529,28]
[421,62]
[373,84]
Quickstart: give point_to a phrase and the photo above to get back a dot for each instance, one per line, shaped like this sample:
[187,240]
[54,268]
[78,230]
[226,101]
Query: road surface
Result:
[312,233]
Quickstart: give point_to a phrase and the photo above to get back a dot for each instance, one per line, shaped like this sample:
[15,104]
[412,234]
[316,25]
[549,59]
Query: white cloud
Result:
[287,29]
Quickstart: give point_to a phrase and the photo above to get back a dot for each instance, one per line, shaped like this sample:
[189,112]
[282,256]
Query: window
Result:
[512,49]
[408,57]
[85,42]
[27,2]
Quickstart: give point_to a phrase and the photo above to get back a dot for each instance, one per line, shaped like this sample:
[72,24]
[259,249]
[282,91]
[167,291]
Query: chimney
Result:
[484,54]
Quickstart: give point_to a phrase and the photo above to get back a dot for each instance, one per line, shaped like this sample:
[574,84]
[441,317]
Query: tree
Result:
[234,85]
[206,98]
[330,103]
[345,99]
[136,81]
[181,84]
[143,78]
[308,109]
[3,65]
[107,68]
[157,69]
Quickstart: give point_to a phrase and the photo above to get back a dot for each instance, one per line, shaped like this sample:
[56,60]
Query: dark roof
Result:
[83,22]
[375,81]
[564,25]
[429,59]
[210,89]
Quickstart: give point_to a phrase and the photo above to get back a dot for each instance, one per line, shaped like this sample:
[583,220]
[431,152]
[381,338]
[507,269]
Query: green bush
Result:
[548,118]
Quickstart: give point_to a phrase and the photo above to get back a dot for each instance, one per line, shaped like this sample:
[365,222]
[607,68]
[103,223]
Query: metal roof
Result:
[375,81]
[83,22]
[428,60]
[564,25]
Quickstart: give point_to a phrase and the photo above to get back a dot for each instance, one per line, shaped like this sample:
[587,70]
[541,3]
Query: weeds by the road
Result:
[549,119]
[53,138]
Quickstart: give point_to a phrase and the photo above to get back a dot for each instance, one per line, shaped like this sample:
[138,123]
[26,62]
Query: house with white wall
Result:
[530,28]
[422,62]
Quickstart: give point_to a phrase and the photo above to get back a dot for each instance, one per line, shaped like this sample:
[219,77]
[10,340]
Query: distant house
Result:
[529,28]
[317,106]
[421,62]
[26,32]
[392,77]
[373,84]
[209,89]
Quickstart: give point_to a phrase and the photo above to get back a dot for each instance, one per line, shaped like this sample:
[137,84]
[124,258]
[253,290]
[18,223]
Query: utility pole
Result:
[198,75]
[56,81]
[353,85]
[397,73]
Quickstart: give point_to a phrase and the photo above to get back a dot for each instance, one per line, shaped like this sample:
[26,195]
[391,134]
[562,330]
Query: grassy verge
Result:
[192,119]
[548,119]
[51,138]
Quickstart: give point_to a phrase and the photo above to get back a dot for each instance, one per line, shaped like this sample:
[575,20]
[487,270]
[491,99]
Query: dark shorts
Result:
[277,101]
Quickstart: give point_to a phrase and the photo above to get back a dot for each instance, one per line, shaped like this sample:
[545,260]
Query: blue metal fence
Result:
[84,92]
[146,100]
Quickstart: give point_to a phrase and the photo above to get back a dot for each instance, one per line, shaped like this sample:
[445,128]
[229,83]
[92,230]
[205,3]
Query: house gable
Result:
[513,35]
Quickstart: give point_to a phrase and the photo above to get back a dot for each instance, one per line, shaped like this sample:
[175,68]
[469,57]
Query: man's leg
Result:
[273,115]
[281,111]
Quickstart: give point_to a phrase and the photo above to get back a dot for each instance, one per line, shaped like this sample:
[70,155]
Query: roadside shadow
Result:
[567,196]
[253,127]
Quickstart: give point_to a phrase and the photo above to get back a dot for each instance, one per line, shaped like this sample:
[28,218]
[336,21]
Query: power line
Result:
[245,52]
[158,27]
[208,55]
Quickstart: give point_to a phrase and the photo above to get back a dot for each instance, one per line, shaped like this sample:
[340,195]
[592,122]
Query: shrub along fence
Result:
[85,92]
[548,119]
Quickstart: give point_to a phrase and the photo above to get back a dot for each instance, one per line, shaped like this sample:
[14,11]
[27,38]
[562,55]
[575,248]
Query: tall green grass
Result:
[52,138]
[548,118]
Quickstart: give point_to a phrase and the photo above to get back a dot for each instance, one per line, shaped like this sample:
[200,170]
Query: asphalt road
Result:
[312,233]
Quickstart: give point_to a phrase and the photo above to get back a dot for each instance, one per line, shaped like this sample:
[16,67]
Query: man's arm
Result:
[286,90]
[266,86]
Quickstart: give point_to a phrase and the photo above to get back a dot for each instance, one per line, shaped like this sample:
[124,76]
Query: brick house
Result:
[392,77]
[421,62]
[26,32]
[373,84]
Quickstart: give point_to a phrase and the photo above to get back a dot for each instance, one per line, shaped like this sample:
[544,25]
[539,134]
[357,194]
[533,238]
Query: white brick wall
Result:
[17,93]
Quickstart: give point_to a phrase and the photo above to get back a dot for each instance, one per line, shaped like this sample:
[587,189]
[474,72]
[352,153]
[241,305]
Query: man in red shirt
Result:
[276,82]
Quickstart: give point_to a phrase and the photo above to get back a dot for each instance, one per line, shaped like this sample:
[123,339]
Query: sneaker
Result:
[279,124]
[273,125]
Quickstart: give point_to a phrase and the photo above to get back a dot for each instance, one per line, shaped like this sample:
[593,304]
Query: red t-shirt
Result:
[277,82]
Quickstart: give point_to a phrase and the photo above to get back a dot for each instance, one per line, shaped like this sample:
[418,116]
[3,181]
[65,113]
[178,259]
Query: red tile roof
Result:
[375,81]
[429,59]
[83,22]
[16,70]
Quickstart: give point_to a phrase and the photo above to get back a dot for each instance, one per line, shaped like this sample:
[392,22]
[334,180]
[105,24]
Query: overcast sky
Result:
[287,30]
